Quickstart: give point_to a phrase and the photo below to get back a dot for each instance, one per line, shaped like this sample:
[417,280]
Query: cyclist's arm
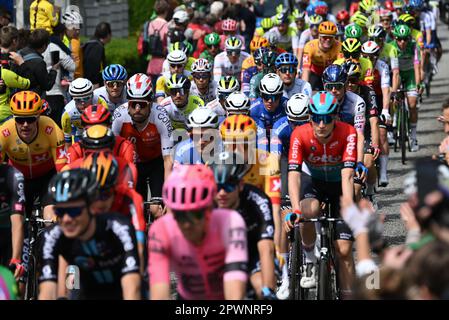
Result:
[217,68]
[306,63]
[47,290]
[385,86]
[294,169]
[15,182]
[48,287]
[374,125]
[160,89]
[266,254]
[165,129]
[131,286]
[349,160]
[127,151]
[62,269]
[66,125]
[74,152]
[417,66]
[58,151]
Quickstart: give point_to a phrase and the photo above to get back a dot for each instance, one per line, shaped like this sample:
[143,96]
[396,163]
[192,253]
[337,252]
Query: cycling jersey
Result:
[71,120]
[324,161]
[187,153]
[179,116]
[224,67]
[103,94]
[151,142]
[305,37]
[389,54]
[298,86]
[209,57]
[210,95]
[12,194]
[103,260]
[12,80]
[264,118]
[41,156]
[418,37]
[366,76]
[161,87]
[200,269]
[254,85]
[280,137]
[317,60]
[284,40]
[129,202]
[381,77]
[247,75]
[408,57]
[352,110]
[216,106]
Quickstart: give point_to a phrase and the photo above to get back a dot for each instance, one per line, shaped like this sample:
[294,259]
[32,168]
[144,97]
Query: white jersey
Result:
[352,111]
[103,93]
[158,117]
[427,21]
[384,73]
[179,116]
[210,95]
[285,41]
[224,67]
[305,37]
[298,86]
[216,106]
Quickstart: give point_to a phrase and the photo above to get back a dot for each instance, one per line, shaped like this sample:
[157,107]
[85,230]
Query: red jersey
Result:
[129,203]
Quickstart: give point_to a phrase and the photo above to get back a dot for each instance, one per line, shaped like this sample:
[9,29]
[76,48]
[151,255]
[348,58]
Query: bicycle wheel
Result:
[324,280]
[296,291]
[403,133]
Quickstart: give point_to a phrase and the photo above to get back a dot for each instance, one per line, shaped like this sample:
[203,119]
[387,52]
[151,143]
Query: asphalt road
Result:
[430,133]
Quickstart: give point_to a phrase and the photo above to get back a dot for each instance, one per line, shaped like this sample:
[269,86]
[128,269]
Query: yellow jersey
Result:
[367,75]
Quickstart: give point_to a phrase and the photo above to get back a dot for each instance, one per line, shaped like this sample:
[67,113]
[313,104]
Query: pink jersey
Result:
[200,270]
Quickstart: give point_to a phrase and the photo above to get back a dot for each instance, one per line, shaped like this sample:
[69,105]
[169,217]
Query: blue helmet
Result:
[323,103]
[416,4]
[286,58]
[114,72]
[335,73]
[311,9]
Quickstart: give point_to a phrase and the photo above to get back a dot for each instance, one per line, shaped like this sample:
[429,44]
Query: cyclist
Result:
[409,70]
[249,65]
[353,30]
[203,85]
[229,62]
[237,103]
[307,35]
[12,204]
[113,92]
[225,87]
[320,53]
[193,231]
[148,126]
[398,6]
[329,173]
[212,41]
[286,67]
[410,20]
[299,22]
[81,91]
[283,32]
[185,46]
[255,208]
[265,25]
[343,17]
[111,271]
[177,60]
[229,27]
[268,66]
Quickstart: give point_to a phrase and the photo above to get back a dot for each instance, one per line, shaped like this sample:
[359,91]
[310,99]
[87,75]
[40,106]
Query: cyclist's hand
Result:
[17,267]
[290,220]
[394,96]
[385,116]
[268,294]
[361,171]
[376,152]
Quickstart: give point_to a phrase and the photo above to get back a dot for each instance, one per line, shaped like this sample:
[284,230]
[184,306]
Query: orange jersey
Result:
[44,154]
[317,60]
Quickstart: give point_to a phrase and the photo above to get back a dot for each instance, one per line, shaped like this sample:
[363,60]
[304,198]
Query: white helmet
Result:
[233,43]
[139,87]
[370,47]
[180,16]
[81,88]
[237,103]
[201,65]
[271,83]
[72,18]
[202,117]
[272,38]
[297,107]
[177,57]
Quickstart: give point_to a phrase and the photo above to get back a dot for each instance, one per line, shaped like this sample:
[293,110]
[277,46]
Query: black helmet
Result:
[71,185]
[229,168]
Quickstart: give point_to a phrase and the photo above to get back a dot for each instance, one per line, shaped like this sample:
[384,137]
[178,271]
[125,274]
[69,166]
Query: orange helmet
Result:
[258,42]
[238,127]
[327,28]
[26,103]
[104,166]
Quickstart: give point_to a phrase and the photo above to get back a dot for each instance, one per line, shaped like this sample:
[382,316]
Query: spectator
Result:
[43,15]
[24,35]
[5,17]
[247,19]
[9,43]
[73,21]
[94,59]
[34,67]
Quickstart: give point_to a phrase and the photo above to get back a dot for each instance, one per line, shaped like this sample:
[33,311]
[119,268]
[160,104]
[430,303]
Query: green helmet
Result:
[8,285]
[353,31]
[212,39]
[266,24]
[269,60]
[402,31]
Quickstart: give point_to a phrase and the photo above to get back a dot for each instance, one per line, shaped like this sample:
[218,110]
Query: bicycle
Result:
[429,70]
[401,130]
[149,218]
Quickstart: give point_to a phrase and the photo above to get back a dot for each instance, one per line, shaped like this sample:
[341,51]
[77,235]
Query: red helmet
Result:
[96,114]
[321,10]
[46,109]
[229,25]
[343,15]
[389,5]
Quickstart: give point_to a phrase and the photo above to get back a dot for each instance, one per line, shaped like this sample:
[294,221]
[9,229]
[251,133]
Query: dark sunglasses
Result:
[202,75]
[402,39]
[233,52]
[353,81]
[290,69]
[105,195]
[352,55]
[142,104]
[314,26]
[72,212]
[83,100]
[213,46]
[370,56]
[331,85]
[22,120]
[223,96]
[326,118]
[227,187]
[385,20]
[112,84]
[175,66]
[272,97]
[174,92]
[188,216]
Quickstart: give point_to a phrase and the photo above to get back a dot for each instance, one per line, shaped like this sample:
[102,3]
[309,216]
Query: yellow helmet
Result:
[327,28]
[238,127]
[258,42]
[26,103]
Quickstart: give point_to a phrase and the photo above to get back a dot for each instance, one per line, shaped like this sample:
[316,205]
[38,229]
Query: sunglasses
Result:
[326,118]
[333,85]
[290,69]
[174,92]
[176,66]
[112,84]
[233,52]
[83,100]
[314,26]
[142,104]
[370,56]
[213,46]
[327,38]
[223,96]
[272,97]
[385,20]
[353,81]
[105,195]
[22,120]
[188,216]
[203,75]
[402,39]
[352,55]
[227,187]
[72,212]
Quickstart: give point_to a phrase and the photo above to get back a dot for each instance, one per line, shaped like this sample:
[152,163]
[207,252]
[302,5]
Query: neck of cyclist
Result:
[89,231]
[324,140]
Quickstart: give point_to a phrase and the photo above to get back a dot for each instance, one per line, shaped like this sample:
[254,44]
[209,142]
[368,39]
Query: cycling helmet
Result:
[407,19]
[229,25]
[359,19]
[72,18]
[178,81]
[233,43]
[272,84]
[258,42]
[388,6]
[323,103]
[72,185]
[25,103]
[96,114]
[353,30]
[177,57]
[185,46]
[46,109]
[376,31]
[98,137]
[229,168]
[297,107]
[8,285]
[81,88]
[366,6]
[105,168]
[371,48]
[238,127]
[237,103]
[189,187]
[202,117]
[201,65]
[269,59]
[228,84]
[343,15]
[258,54]
[286,58]
[315,19]
[353,69]
[385,12]
[335,73]
[340,30]
[327,28]
[416,4]
[180,17]
[398,4]
[351,46]
[139,87]
[266,24]
[114,72]
[272,38]
[281,19]
[321,8]
[298,15]
[402,31]
[212,39]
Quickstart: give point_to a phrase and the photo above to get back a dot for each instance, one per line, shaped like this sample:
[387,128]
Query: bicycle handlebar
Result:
[39,220]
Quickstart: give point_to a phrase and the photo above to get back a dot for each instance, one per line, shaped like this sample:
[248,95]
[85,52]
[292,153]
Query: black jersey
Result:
[12,194]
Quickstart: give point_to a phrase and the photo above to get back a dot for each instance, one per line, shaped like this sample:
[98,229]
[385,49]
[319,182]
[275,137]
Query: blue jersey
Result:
[187,153]
[280,137]
[265,119]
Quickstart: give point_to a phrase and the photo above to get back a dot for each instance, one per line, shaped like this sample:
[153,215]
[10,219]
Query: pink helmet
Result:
[189,187]
[229,25]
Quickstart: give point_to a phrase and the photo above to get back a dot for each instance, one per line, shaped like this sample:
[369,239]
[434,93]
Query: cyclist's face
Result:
[180,100]
[83,103]
[271,102]
[386,22]
[177,68]
[115,88]
[27,130]
[283,27]
[287,74]
[336,92]
[402,43]
[73,33]
[73,227]
[104,202]
[321,129]
[213,49]
[314,31]
[326,42]
[202,137]
[300,24]
[193,230]
[139,110]
[202,80]
[226,199]
[233,56]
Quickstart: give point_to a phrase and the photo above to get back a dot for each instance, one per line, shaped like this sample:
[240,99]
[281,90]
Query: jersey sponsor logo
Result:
[18,207]
[6,133]
[123,233]
[50,242]
[275,184]
[324,158]
[48,130]
[350,147]
[331,146]
[61,153]
[295,147]
[262,203]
